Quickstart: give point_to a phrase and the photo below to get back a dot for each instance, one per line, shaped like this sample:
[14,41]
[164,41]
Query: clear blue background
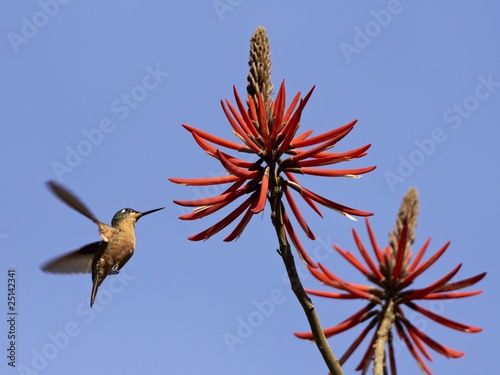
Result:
[183,297]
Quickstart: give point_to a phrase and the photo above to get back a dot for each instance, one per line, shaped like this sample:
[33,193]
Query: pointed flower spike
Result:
[400,251]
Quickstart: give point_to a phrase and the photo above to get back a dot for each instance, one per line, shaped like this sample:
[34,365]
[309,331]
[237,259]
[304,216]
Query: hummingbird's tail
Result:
[97,282]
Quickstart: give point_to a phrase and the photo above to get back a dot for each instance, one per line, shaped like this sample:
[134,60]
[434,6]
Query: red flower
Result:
[393,274]
[269,132]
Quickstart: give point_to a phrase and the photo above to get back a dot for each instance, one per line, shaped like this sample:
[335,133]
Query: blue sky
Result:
[94,95]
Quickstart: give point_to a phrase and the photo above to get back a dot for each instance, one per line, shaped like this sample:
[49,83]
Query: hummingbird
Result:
[101,258]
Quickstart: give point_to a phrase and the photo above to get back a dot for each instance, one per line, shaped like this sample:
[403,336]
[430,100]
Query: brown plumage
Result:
[100,258]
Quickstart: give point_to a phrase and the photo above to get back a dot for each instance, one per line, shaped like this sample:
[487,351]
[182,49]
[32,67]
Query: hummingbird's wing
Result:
[70,199]
[78,261]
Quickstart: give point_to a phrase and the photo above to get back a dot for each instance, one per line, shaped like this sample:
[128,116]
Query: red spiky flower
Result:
[393,275]
[269,131]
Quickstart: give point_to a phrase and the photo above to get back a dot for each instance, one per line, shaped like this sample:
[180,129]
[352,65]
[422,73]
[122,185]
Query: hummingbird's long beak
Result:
[141,214]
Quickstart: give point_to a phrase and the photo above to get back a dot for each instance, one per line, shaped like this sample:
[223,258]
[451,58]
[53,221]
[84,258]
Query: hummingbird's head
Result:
[128,214]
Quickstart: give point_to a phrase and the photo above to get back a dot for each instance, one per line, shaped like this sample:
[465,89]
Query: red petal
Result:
[322,293]
[207,233]
[412,350]
[240,227]
[207,210]
[353,260]
[234,169]
[358,341]
[419,256]
[331,158]
[441,349]
[298,215]
[359,290]
[264,186]
[295,240]
[419,293]
[344,210]
[217,199]
[238,130]
[442,320]
[429,262]
[309,201]
[373,240]
[367,256]
[291,107]
[204,181]
[264,126]
[440,295]
[278,111]
[350,322]
[217,140]
[323,137]
[462,283]
[337,173]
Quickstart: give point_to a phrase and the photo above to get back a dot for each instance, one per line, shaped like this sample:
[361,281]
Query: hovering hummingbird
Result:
[101,258]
